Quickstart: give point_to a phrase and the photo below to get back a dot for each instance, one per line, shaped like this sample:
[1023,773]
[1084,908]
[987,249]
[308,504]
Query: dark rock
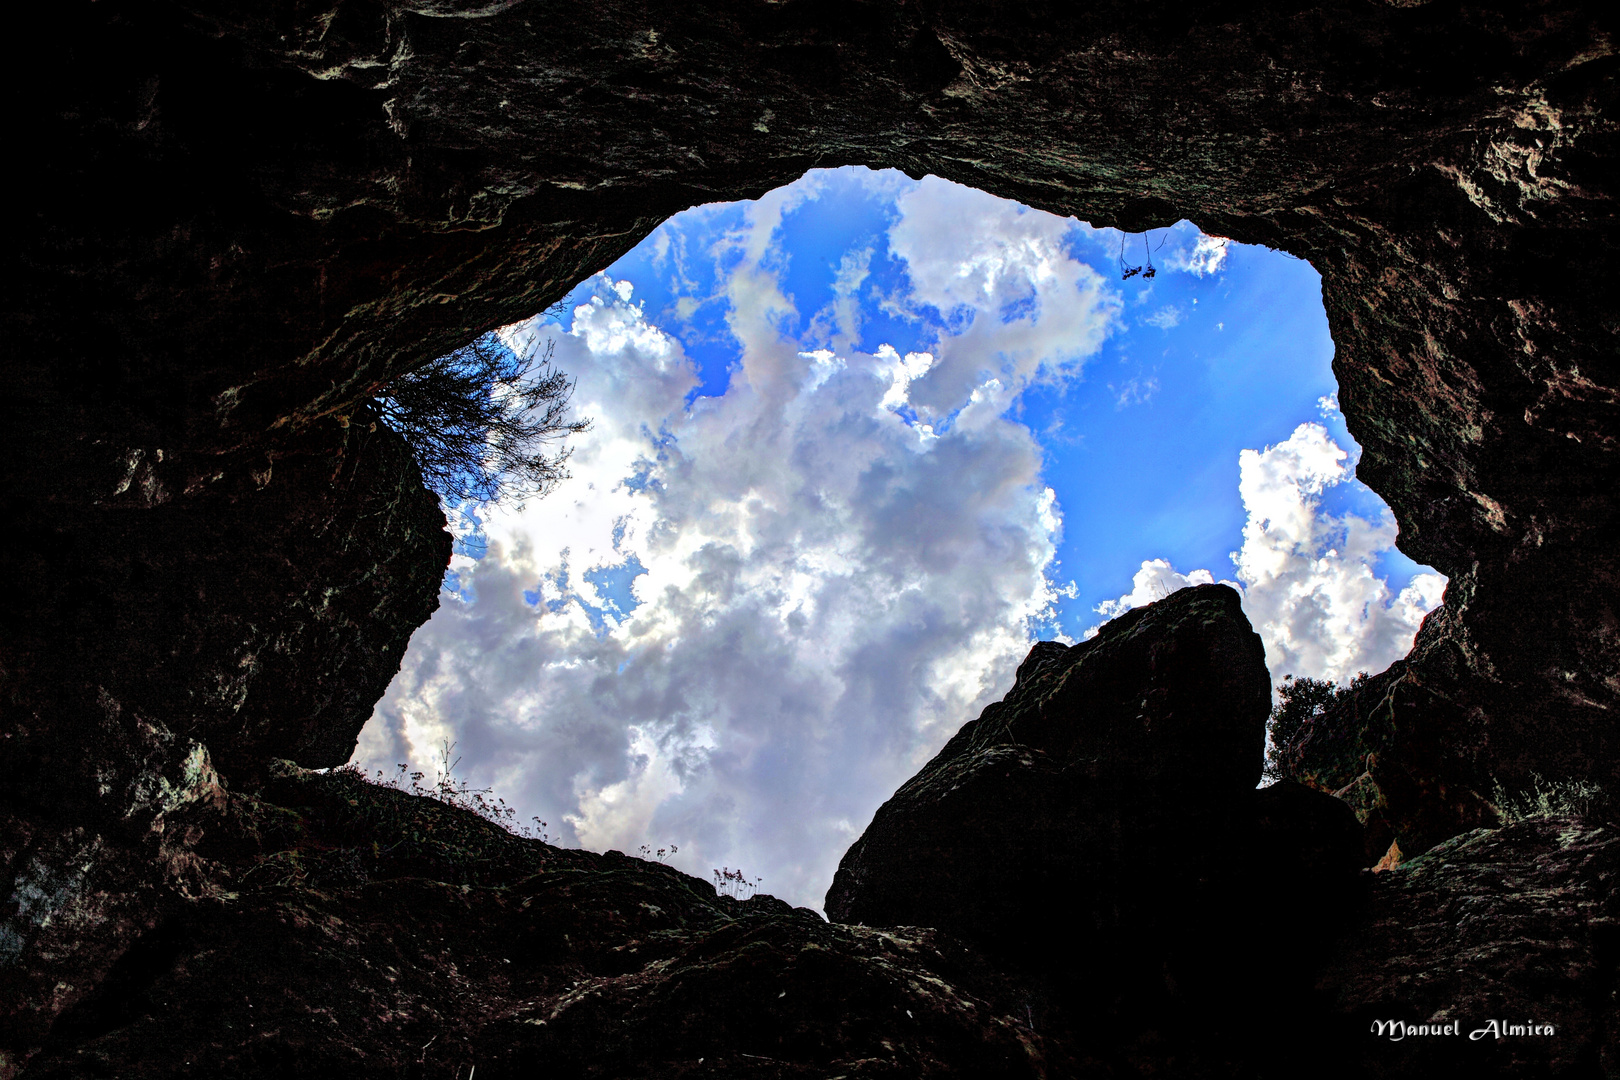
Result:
[338,926]
[259,609]
[1372,813]
[1330,751]
[77,896]
[1107,755]
[1270,903]
[1099,829]
[367,932]
[261,612]
[1335,751]
[1515,925]
[1437,749]
[1297,869]
[1414,746]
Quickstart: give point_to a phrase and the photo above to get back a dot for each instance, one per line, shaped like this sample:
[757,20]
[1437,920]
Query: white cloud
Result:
[1206,255]
[1153,582]
[842,555]
[1136,391]
[1018,304]
[830,585]
[1312,589]
[1309,579]
[1165,318]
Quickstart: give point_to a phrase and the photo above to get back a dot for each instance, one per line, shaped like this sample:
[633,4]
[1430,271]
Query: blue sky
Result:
[857,445]
[1198,368]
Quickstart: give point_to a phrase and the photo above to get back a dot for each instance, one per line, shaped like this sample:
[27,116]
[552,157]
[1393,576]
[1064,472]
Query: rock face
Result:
[1100,830]
[1107,761]
[80,894]
[360,931]
[181,612]
[163,579]
[338,927]
[1515,925]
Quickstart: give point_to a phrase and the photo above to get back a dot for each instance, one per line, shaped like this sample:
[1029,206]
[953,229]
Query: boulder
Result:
[1085,800]
[1099,830]
[1294,876]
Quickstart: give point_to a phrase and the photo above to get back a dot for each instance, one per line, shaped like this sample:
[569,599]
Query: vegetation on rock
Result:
[1544,798]
[1295,722]
[483,422]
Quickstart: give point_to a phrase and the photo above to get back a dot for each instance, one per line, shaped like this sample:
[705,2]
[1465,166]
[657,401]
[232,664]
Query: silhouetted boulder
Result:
[1100,830]
[1295,874]
[1088,799]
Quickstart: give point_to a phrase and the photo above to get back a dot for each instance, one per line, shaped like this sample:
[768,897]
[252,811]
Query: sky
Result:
[855,446]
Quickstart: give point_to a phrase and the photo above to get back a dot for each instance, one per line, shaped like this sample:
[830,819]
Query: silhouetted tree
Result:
[1298,701]
[484,422]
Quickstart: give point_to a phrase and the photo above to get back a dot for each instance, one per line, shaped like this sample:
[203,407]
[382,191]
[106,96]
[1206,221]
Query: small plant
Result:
[1546,798]
[451,791]
[660,854]
[281,868]
[735,884]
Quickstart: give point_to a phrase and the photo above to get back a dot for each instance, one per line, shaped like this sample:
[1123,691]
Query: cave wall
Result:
[233,221]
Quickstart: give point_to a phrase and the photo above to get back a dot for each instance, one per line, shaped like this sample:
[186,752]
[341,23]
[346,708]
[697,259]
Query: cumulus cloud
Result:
[745,620]
[1311,583]
[1017,304]
[1308,578]
[1153,582]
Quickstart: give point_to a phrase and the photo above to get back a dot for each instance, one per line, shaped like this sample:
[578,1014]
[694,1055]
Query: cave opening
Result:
[856,445]
[240,221]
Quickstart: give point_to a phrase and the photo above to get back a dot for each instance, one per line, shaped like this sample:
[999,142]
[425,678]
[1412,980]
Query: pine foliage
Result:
[485,423]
